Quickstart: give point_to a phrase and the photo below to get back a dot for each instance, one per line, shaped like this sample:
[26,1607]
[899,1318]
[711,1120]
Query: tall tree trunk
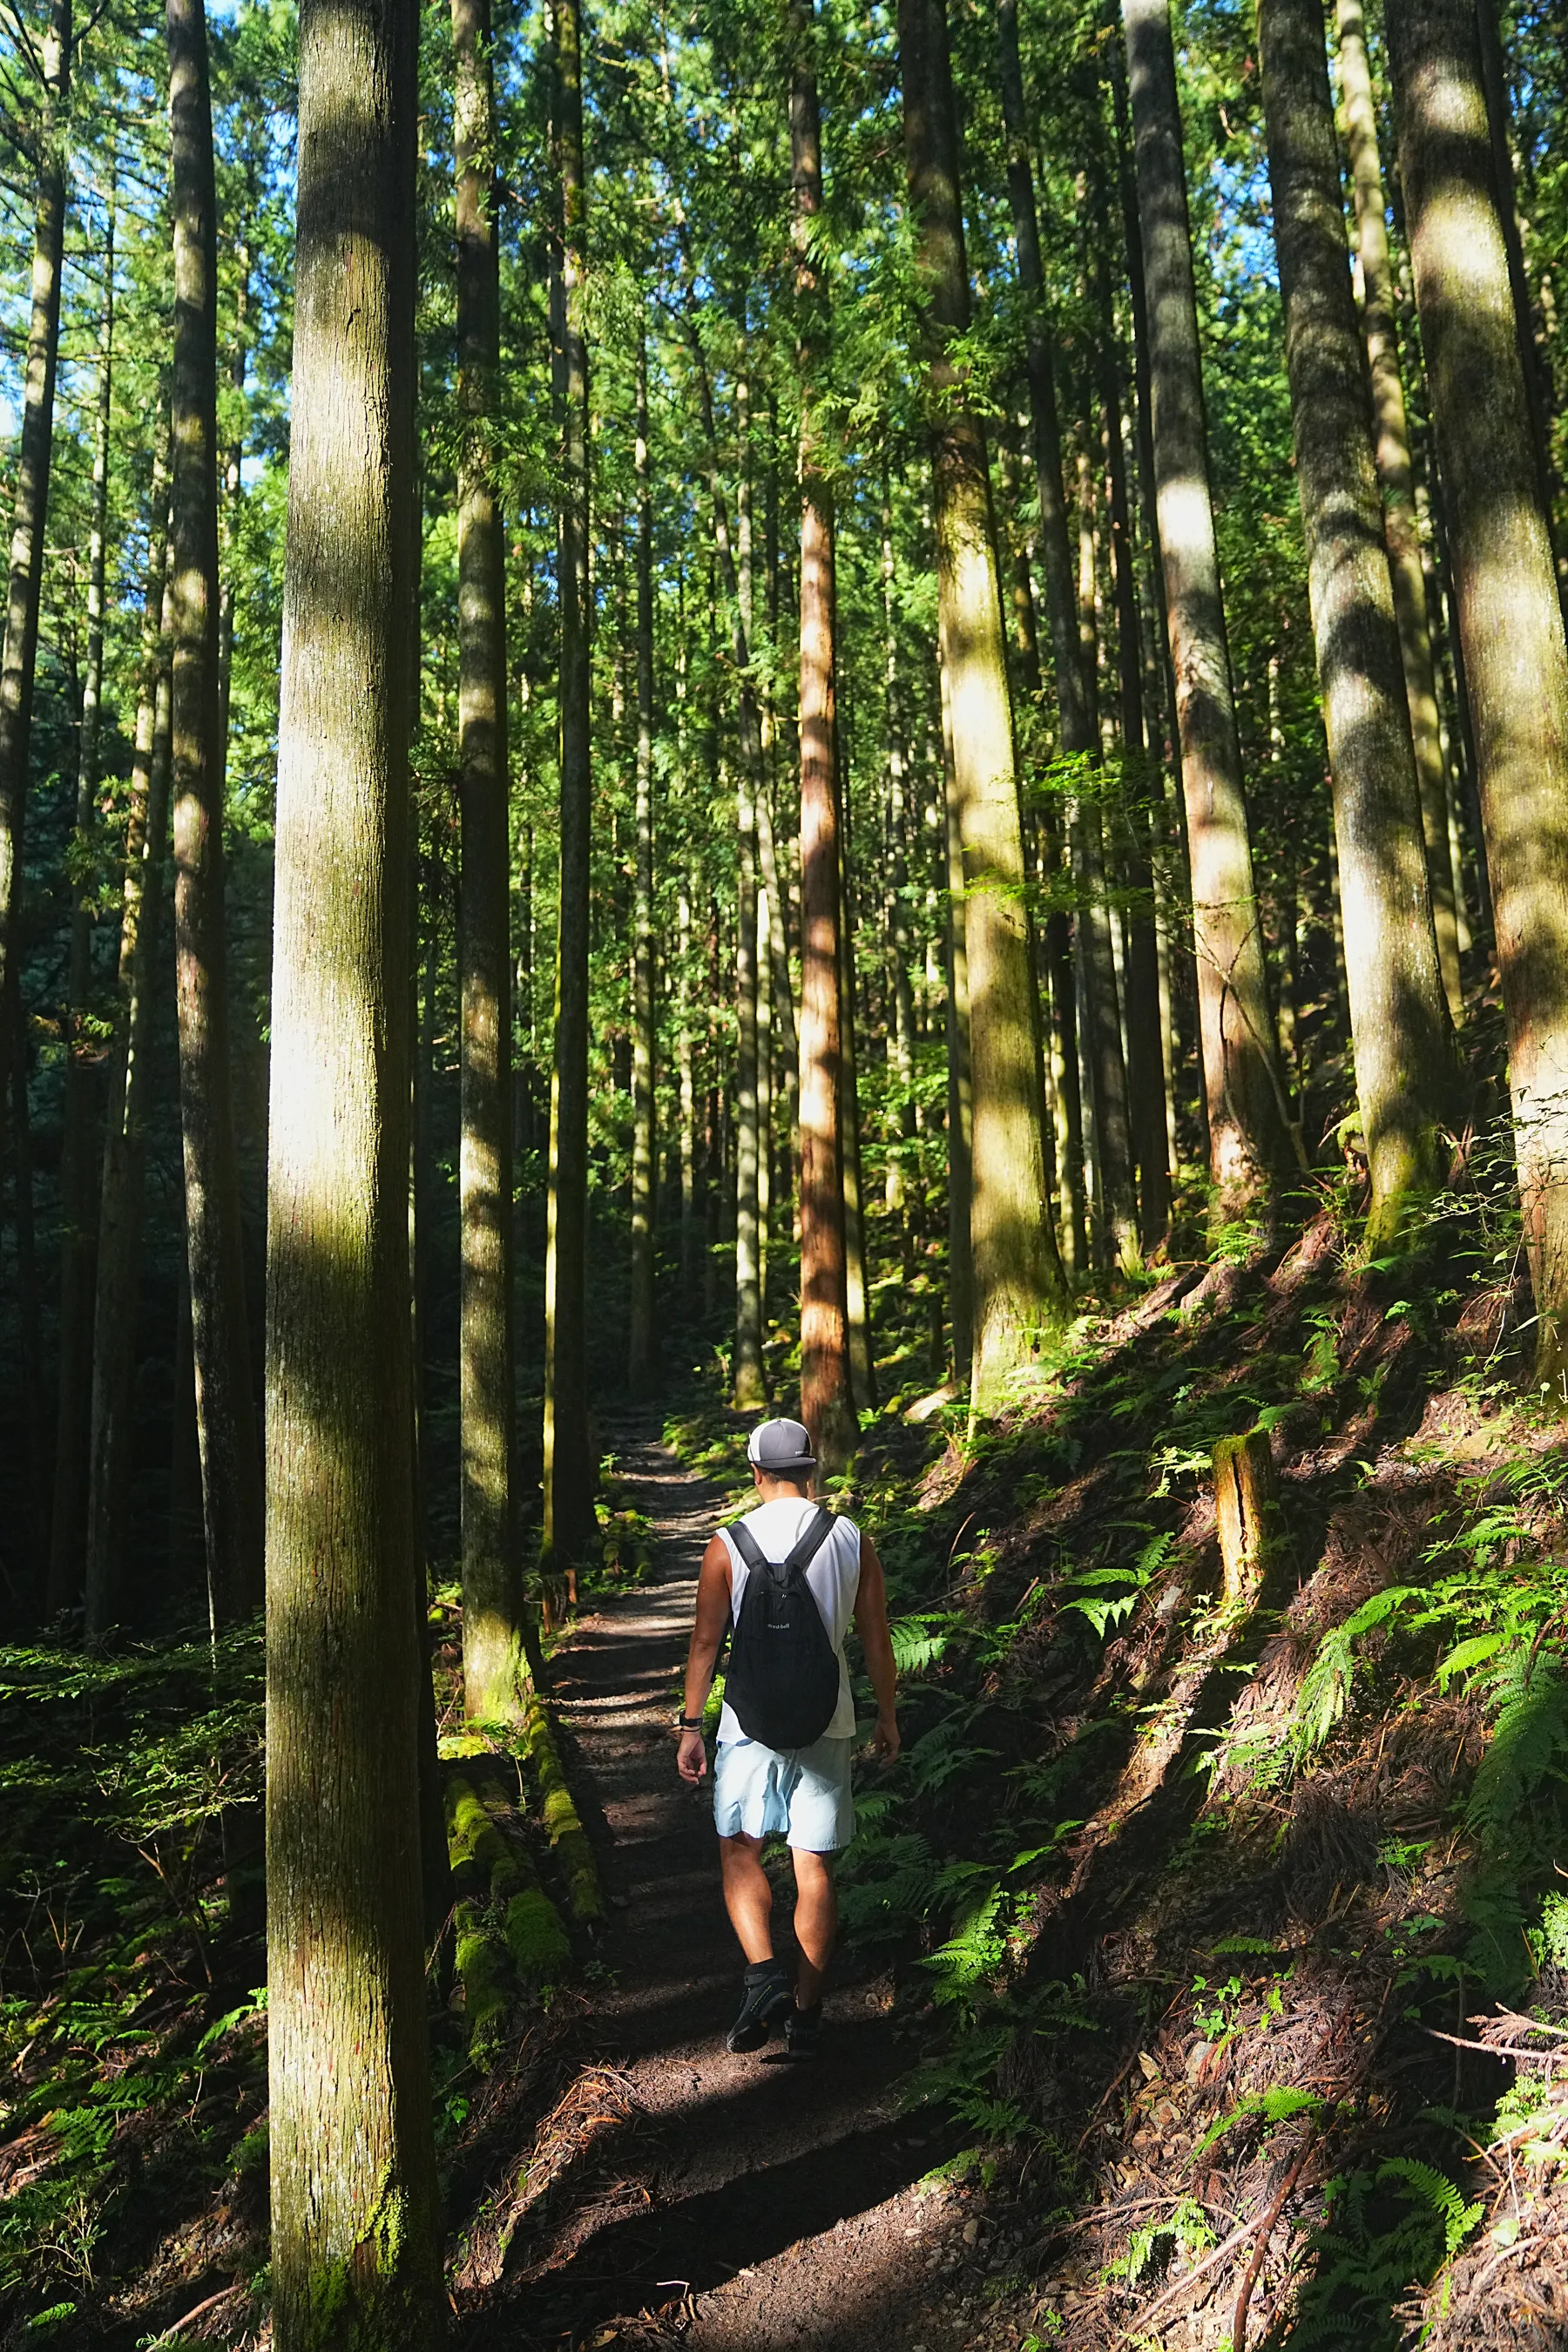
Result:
[18,658]
[1075,718]
[355,2230]
[569,1467]
[1158,665]
[1400,526]
[494,1613]
[1252,1149]
[857,1288]
[15,1082]
[231,1467]
[686,1078]
[1532,368]
[643,1351]
[1145,1054]
[1018,1282]
[827,1394]
[1099,999]
[121,1205]
[959,1074]
[234,470]
[1399,1016]
[79,1221]
[901,1195]
[748,1389]
[1511,624]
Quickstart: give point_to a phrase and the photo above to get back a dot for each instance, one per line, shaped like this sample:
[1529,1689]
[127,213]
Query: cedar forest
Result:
[777,706]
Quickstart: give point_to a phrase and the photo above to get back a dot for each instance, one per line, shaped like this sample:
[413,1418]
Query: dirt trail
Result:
[749,2203]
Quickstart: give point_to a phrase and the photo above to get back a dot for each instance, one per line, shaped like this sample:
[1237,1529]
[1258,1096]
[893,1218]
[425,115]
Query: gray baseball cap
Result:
[780,1449]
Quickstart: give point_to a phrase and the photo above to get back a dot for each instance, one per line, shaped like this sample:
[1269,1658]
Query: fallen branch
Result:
[176,2326]
[1265,2230]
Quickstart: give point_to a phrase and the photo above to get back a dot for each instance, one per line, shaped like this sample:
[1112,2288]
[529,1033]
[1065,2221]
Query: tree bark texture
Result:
[355,2245]
[123,1198]
[1399,1016]
[493,1665]
[1252,1152]
[1400,524]
[827,1399]
[1018,1283]
[29,517]
[1511,624]
[79,1203]
[569,1467]
[226,1410]
[643,1349]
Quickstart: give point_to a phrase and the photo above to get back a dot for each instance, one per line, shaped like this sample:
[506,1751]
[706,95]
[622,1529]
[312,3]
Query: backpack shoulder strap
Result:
[810,1540]
[746,1544]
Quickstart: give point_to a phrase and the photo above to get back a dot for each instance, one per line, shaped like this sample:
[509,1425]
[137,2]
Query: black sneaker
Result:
[803,2033]
[767,1996]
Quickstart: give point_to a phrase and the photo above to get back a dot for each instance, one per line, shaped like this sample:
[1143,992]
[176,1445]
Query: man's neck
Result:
[781,1490]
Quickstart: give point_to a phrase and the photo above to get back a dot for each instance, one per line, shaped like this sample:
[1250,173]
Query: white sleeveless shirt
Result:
[833,1573]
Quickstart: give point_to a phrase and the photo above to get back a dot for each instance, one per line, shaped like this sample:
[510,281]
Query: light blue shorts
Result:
[801,1793]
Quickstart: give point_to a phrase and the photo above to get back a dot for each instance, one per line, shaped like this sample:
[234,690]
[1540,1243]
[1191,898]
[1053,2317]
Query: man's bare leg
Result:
[816,1921]
[748,1896]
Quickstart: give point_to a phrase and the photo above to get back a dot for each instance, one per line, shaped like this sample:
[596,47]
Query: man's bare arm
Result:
[877,1646]
[703,1656]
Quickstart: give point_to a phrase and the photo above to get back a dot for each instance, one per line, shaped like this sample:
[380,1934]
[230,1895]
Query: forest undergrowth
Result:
[1229,1935]
[1234,1933]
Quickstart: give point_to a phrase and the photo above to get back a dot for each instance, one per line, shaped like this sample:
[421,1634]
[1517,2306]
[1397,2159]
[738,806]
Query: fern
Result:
[974,1954]
[1186,2228]
[1326,1687]
[1424,2181]
[1276,2105]
[1530,1700]
[1370,2257]
[921,1640]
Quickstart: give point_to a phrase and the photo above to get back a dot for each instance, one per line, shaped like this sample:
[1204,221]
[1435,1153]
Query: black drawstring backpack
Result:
[782,1680]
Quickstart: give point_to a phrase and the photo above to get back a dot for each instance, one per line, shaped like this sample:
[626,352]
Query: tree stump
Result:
[1247,1506]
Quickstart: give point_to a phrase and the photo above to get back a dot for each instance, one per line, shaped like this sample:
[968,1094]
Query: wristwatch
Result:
[690,1722]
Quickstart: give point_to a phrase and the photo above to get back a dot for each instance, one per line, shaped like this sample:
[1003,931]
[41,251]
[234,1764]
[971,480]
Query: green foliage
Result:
[1384,2228]
[1107,1596]
[1185,2229]
[1279,2104]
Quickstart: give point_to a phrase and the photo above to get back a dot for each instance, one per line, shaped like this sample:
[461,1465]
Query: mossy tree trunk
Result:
[827,1395]
[1399,1016]
[1252,1149]
[493,1663]
[1018,1283]
[1396,475]
[29,514]
[226,1408]
[355,2244]
[1511,624]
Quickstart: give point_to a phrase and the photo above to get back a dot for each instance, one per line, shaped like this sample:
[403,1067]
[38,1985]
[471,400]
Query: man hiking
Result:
[784,1583]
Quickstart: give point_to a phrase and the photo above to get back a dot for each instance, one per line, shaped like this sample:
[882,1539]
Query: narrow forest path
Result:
[737,2204]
